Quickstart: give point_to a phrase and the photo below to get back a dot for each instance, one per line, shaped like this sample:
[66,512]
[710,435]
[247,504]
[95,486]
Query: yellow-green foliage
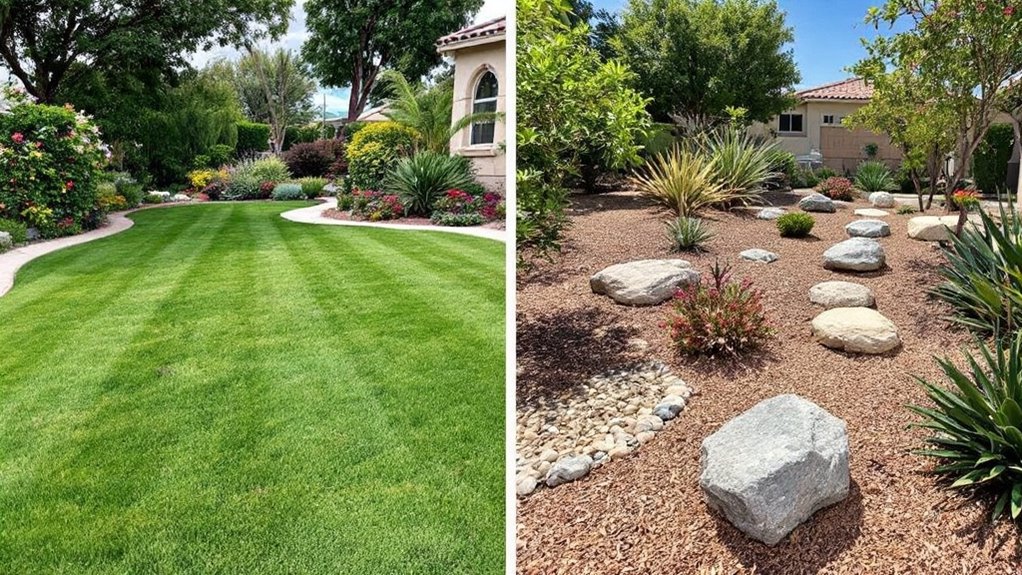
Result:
[375,150]
[681,180]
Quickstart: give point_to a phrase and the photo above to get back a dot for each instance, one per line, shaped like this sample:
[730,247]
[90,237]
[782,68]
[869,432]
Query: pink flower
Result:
[69,185]
[1009,10]
[18,137]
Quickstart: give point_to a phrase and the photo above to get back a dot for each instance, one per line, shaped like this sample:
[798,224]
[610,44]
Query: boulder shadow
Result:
[808,549]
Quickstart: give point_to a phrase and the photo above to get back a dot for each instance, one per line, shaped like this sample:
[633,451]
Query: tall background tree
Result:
[274,88]
[352,41]
[697,58]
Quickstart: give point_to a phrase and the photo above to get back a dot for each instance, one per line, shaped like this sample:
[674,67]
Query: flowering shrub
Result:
[457,202]
[376,206]
[487,205]
[49,162]
[837,188]
[965,198]
[719,316]
[493,207]
[199,179]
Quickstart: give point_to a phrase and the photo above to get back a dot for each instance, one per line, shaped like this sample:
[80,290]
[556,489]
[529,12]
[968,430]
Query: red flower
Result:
[1009,10]
[18,137]
[69,185]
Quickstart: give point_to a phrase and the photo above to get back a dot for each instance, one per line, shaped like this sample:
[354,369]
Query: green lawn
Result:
[218,390]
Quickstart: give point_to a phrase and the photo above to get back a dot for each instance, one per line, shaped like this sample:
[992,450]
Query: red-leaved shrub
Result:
[837,188]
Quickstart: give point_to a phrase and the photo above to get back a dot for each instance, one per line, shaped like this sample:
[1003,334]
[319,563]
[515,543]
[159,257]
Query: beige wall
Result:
[470,63]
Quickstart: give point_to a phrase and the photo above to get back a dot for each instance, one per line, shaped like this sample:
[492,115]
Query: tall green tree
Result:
[696,58]
[47,43]
[352,41]
[276,89]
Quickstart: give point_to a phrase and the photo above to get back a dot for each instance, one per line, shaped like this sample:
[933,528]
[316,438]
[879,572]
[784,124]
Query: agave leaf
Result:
[968,479]
[1016,500]
[999,506]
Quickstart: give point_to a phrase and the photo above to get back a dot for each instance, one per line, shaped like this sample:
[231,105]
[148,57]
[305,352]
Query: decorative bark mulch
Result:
[645,513]
[406,221]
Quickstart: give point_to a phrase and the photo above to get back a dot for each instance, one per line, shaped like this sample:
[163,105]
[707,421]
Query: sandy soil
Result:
[645,513]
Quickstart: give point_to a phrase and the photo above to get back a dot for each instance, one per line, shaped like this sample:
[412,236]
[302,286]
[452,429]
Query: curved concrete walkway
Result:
[11,262]
[314,215]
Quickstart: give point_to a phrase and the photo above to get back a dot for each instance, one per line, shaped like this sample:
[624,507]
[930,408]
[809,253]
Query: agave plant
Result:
[682,180]
[423,178]
[687,234]
[977,423]
[742,163]
[983,275]
[874,177]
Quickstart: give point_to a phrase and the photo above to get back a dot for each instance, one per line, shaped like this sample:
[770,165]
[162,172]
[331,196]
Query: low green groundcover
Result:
[219,390]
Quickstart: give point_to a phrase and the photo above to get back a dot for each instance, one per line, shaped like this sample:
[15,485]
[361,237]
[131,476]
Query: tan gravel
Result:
[645,513]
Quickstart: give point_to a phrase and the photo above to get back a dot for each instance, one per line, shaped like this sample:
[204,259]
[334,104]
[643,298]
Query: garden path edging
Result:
[314,215]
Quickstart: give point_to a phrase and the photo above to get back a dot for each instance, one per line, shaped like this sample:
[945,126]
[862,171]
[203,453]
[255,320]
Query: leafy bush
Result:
[199,179]
[352,128]
[376,206]
[312,159]
[825,173]
[741,163]
[288,192]
[784,167]
[905,209]
[681,180]
[795,225]
[719,316]
[219,155]
[374,151]
[252,139]
[312,187]
[294,135]
[457,220]
[804,178]
[493,206]
[422,179]
[837,188]
[874,177]
[456,201]
[240,187]
[976,422]
[272,170]
[18,230]
[990,161]
[108,199]
[50,158]
[540,218]
[687,234]
[982,275]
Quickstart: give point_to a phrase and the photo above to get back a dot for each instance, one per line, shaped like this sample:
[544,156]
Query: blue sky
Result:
[827,35]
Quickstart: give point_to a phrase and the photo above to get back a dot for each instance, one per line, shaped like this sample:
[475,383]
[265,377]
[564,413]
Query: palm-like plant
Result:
[874,177]
[681,180]
[423,178]
[427,111]
[742,163]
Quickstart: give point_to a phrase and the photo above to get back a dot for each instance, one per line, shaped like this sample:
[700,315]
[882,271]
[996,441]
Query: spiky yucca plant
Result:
[742,163]
[977,423]
[681,180]
[687,234]
[423,178]
[874,177]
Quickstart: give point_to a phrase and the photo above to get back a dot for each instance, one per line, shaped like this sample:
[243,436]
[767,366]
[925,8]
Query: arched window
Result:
[485,100]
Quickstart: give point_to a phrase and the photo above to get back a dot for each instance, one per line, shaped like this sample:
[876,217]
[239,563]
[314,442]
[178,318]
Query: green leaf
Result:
[1016,500]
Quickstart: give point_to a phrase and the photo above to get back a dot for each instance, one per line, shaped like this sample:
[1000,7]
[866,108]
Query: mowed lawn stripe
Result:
[257,430]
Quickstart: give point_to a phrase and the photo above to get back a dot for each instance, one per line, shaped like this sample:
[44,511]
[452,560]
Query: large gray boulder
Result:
[817,203]
[856,254]
[881,200]
[834,294]
[871,213]
[758,255]
[644,282]
[569,469]
[868,229]
[769,469]
[938,228]
[6,242]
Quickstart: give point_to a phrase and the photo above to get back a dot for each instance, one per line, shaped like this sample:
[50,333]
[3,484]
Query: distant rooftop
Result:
[483,30]
[850,89]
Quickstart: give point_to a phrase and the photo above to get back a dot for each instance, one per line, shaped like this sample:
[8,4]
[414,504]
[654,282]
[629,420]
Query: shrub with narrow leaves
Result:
[837,188]
[423,179]
[874,177]
[720,316]
[288,192]
[687,234]
[795,225]
[681,180]
[312,187]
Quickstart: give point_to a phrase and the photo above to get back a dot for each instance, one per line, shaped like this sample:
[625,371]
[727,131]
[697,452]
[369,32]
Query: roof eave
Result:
[470,42]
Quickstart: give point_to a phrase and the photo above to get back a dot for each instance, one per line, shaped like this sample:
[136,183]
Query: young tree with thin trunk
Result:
[276,89]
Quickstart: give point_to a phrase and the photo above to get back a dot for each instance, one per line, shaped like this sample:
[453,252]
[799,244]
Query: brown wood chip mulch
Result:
[645,513]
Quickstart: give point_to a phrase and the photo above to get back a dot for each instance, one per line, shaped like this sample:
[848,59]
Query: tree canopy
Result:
[696,58]
[352,41]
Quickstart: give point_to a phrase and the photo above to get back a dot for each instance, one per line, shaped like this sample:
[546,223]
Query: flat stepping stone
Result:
[881,200]
[758,255]
[817,203]
[771,213]
[937,228]
[856,330]
[644,282]
[871,213]
[769,469]
[868,229]
[856,254]
[834,294]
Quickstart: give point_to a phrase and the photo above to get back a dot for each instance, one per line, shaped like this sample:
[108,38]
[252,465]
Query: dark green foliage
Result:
[18,230]
[252,138]
[795,225]
[352,128]
[540,213]
[220,155]
[785,169]
[294,135]
[804,178]
[423,178]
[687,234]
[457,220]
[874,176]
[976,421]
[990,162]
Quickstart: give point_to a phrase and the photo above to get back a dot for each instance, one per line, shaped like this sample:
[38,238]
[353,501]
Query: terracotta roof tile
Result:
[494,27]
[851,89]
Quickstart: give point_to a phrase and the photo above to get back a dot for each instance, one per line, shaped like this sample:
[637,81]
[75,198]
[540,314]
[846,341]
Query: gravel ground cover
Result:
[644,513]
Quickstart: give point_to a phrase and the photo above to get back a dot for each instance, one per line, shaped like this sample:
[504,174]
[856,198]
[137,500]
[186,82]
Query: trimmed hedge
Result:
[252,138]
[374,151]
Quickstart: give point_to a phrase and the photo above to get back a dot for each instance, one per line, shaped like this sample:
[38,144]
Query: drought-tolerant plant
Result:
[457,220]
[288,192]
[18,230]
[374,151]
[983,275]
[422,179]
[270,169]
[687,234]
[240,187]
[795,225]
[874,177]
[804,178]
[785,168]
[905,209]
[681,180]
[837,188]
[719,316]
[976,422]
[741,163]
[964,198]
[825,173]
[312,187]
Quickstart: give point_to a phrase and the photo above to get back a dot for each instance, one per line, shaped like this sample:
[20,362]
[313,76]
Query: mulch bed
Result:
[645,513]
[406,221]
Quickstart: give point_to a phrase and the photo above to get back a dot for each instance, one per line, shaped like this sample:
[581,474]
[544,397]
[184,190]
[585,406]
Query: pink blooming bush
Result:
[488,204]
[49,159]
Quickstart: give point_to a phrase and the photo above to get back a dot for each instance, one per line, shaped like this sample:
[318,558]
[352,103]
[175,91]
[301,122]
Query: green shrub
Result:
[687,234]
[252,139]
[658,140]
[312,187]
[219,155]
[680,180]
[294,135]
[540,217]
[836,188]
[288,192]
[825,173]
[423,178]
[990,162]
[905,209]
[271,169]
[241,187]
[352,128]
[457,220]
[784,167]
[795,225]
[741,163]
[720,316]
[874,177]
[18,230]
[374,151]
[376,206]
[976,421]
[804,178]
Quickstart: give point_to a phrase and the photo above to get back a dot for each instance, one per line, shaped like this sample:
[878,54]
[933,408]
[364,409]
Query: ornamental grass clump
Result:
[874,177]
[718,317]
[976,424]
[424,178]
[681,180]
[742,164]
[687,234]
